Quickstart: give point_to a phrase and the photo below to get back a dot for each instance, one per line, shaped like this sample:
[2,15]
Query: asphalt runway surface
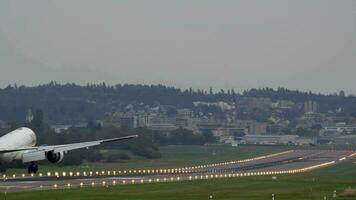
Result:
[288,162]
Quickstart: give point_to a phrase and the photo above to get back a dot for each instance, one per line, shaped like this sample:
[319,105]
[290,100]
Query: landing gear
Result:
[33,168]
[2,169]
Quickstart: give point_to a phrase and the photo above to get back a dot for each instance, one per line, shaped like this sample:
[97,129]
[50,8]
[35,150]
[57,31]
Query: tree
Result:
[208,136]
[301,132]
[13,126]
[37,123]
[211,91]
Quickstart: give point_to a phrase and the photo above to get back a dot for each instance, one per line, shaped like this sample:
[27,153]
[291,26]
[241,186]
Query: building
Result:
[305,141]
[229,131]
[254,127]
[128,122]
[143,120]
[258,128]
[185,113]
[185,123]
[252,102]
[283,104]
[345,140]
[60,128]
[269,139]
[165,127]
[339,128]
[207,124]
[311,107]
[224,106]
[308,120]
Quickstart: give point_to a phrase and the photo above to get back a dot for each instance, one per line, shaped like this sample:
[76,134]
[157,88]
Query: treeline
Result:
[70,103]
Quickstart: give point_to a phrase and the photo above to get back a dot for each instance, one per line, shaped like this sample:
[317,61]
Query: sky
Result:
[308,45]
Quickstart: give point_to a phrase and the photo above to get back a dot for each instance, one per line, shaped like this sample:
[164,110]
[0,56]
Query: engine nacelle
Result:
[54,157]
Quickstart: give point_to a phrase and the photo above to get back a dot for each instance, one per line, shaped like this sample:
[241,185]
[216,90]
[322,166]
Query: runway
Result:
[288,162]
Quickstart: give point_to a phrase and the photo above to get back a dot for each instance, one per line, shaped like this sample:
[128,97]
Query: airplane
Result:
[20,145]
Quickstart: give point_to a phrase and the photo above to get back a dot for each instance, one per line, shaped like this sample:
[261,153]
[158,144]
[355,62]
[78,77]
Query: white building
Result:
[269,139]
[311,107]
[339,128]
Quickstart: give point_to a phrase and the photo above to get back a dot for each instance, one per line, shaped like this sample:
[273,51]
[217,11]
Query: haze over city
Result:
[306,45]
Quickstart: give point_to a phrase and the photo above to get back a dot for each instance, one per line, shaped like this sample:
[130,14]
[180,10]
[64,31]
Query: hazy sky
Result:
[307,45]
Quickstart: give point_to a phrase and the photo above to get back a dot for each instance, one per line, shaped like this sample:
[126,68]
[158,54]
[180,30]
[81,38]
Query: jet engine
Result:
[54,157]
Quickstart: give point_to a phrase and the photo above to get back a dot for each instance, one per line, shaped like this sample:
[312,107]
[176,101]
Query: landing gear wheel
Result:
[33,168]
[2,169]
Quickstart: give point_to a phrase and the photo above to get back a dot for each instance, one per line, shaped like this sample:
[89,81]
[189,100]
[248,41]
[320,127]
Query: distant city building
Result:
[227,140]
[252,102]
[308,120]
[339,128]
[60,128]
[163,127]
[254,128]
[222,105]
[185,113]
[311,107]
[305,141]
[345,140]
[128,122]
[283,104]
[143,120]
[207,124]
[269,139]
[185,123]
[223,132]
[258,128]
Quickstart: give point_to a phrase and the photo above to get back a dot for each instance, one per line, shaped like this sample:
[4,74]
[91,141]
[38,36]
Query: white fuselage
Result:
[17,139]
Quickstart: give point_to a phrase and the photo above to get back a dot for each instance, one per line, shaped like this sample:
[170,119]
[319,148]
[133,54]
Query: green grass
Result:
[309,186]
[172,156]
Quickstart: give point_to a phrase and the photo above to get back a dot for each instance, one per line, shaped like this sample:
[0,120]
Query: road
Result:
[288,162]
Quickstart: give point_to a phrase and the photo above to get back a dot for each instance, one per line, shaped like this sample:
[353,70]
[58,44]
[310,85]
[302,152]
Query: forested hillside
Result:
[73,103]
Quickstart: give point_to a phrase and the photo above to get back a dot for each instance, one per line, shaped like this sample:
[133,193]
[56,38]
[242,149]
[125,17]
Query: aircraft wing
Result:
[80,145]
[39,153]
[16,150]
